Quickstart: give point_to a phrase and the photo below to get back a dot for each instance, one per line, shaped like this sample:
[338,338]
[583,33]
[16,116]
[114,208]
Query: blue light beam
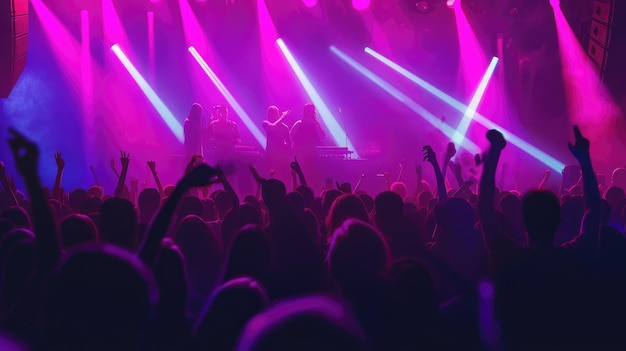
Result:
[158,104]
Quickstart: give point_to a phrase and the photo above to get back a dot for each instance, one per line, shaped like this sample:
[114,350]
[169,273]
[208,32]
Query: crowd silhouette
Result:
[195,266]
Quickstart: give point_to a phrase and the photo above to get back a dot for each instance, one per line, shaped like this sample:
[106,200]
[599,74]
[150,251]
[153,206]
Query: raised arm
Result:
[6,185]
[125,159]
[26,155]
[227,187]
[198,177]
[400,173]
[450,152]
[344,187]
[593,200]
[95,177]
[544,180]
[457,172]
[503,174]
[418,172]
[56,189]
[296,167]
[155,175]
[498,244]
[113,168]
[259,181]
[431,157]
[358,184]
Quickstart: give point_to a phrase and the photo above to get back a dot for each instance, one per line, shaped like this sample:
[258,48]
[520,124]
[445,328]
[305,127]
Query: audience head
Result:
[541,215]
[296,201]
[99,298]
[358,256]
[618,178]
[77,197]
[399,188]
[91,205]
[252,200]
[95,191]
[614,195]
[307,323]
[249,254]
[118,223]
[274,194]
[5,226]
[169,272]
[195,238]
[77,229]
[329,198]
[510,205]
[388,210]
[226,314]
[17,216]
[189,205]
[209,210]
[345,207]
[168,190]
[223,202]
[308,194]
[368,202]
[149,201]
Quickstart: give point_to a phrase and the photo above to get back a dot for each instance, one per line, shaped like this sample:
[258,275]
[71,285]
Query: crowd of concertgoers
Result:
[188,267]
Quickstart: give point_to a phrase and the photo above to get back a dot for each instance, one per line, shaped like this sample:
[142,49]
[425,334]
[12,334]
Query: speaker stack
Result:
[13,43]
[607,43]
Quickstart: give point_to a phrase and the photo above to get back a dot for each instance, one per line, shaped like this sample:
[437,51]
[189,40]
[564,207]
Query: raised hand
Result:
[112,164]
[125,159]
[255,174]
[580,148]
[195,160]
[450,151]
[152,166]
[25,153]
[418,170]
[429,155]
[200,176]
[296,166]
[345,188]
[59,161]
[496,139]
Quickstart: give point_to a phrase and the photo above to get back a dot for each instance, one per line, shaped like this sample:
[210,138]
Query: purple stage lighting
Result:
[309,3]
[338,134]
[247,121]
[461,130]
[163,111]
[450,3]
[403,98]
[555,2]
[459,106]
[360,5]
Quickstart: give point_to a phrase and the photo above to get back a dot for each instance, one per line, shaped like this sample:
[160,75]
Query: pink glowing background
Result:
[384,116]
